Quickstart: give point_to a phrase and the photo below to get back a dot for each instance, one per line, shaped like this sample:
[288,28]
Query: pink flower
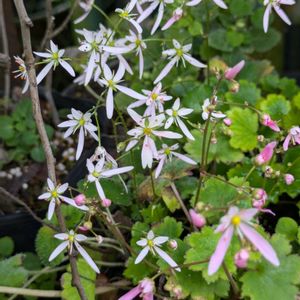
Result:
[259,201]
[145,289]
[239,221]
[289,179]
[241,258]
[267,121]
[231,73]
[266,154]
[106,202]
[227,122]
[294,136]
[197,219]
[80,199]
[275,4]
[177,15]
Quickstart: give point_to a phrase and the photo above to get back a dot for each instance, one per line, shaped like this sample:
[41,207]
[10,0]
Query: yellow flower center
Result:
[110,83]
[22,69]
[147,131]
[55,56]
[81,122]
[54,194]
[150,243]
[168,151]
[174,113]
[154,96]
[179,52]
[138,43]
[96,174]
[124,14]
[236,220]
[71,238]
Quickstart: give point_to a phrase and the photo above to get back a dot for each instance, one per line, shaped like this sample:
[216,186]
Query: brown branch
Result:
[37,114]
[62,26]
[5,51]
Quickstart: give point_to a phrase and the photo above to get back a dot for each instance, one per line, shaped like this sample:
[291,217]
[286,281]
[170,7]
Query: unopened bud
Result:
[260,138]
[99,239]
[80,199]
[105,202]
[241,258]
[234,86]
[88,225]
[173,244]
[227,122]
[197,219]
[120,147]
[289,179]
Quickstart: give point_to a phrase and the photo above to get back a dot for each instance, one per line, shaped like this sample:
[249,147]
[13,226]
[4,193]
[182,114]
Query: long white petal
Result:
[80,143]
[100,190]
[221,4]
[282,15]
[43,54]
[142,255]
[148,11]
[116,50]
[60,248]
[109,103]
[44,72]
[165,71]
[51,209]
[116,171]
[159,18]
[146,155]
[159,167]
[61,236]
[87,258]
[136,25]
[129,92]
[120,73]
[193,3]
[141,64]
[266,17]
[67,67]
[185,129]
[167,134]
[184,158]
[167,258]
[193,61]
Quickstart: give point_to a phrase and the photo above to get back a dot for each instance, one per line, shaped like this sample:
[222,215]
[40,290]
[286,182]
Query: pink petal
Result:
[260,243]
[131,294]
[231,73]
[286,142]
[219,254]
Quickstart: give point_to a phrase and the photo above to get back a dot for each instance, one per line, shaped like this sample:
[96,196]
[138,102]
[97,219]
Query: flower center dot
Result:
[96,174]
[81,122]
[179,52]
[150,243]
[174,113]
[236,220]
[147,131]
[54,194]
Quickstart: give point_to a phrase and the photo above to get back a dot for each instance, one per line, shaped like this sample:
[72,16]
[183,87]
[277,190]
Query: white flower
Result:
[166,153]
[111,81]
[149,10]
[175,115]
[154,100]
[70,239]
[176,54]
[53,59]
[220,3]
[275,4]
[214,114]
[126,14]
[54,196]
[91,45]
[86,6]
[82,121]
[98,171]
[147,129]
[153,244]
[22,72]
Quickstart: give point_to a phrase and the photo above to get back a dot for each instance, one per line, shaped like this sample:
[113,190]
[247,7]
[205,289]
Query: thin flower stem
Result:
[103,13]
[98,127]
[175,191]
[249,173]
[233,284]
[152,184]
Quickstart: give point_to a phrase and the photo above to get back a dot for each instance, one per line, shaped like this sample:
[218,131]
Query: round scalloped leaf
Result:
[276,106]
[244,129]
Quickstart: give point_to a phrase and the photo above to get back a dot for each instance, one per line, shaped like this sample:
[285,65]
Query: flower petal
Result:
[67,67]
[167,258]
[142,255]
[80,143]
[60,248]
[44,72]
[87,258]
[51,209]
[164,72]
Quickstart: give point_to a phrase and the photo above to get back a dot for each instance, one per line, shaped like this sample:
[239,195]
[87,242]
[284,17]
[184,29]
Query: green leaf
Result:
[7,129]
[37,154]
[274,283]
[87,278]
[194,98]
[72,216]
[170,199]
[154,213]
[287,227]
[6,246]
[241,8]
[203,244]
[234,38]
[11,272]
[217,39]
[276,106]
[45,243]
[263,42]
[220,152]
[288,87]
[169,227]
[248,92]
[244,129]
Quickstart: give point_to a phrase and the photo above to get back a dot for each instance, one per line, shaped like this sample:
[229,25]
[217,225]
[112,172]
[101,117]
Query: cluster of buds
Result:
[241,258]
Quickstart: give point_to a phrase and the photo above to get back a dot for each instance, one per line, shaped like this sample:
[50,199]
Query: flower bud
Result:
[173,244]
[80,199]
[241,258]
[289,179]
[227,121]
[234,86]
[120,147]
[99,239]
[231,73]
[88,225]
[260,194]
[197,219]
[260,138]
[105,202]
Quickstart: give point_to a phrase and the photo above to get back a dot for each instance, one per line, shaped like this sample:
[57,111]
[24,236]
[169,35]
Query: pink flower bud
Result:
[231,73]
[173,244]
[241,258]
[80,199]
[88,225]
[267,121]
[227,121]
[266,154]
[177,14]
[289,179]
[83,228]
[197,219]
[106,202]
[260,194]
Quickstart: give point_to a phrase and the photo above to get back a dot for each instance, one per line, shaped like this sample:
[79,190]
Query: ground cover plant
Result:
[189,203]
